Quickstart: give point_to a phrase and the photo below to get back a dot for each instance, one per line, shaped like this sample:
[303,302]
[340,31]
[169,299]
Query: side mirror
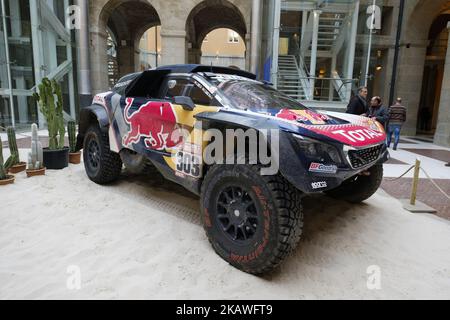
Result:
[185,102]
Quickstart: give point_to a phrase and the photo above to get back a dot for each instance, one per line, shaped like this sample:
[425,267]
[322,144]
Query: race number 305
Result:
[189,164]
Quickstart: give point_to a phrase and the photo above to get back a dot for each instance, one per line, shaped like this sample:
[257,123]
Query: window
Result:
[184,87]
[199,97]
[256,96]
[176,87]
[233,36]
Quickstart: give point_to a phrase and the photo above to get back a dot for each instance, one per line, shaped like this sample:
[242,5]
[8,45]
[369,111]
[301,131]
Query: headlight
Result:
[318,151]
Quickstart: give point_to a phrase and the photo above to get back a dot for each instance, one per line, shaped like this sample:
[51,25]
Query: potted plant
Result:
[35,157]
[74,156]
[4,177]
[56,156]
[16,165]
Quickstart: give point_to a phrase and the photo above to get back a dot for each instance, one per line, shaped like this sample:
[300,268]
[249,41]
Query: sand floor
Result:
[141,238]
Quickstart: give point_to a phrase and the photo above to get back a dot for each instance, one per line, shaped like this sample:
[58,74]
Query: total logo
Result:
[319,185]
[321,168]
[359,135]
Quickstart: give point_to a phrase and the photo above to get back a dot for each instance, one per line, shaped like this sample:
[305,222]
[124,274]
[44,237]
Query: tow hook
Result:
[364,173]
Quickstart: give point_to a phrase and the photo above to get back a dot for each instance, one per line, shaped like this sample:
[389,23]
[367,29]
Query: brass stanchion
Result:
[412,204]
[415,183]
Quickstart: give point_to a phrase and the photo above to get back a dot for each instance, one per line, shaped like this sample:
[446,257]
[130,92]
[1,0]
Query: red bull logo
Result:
[155,121]
[306,116]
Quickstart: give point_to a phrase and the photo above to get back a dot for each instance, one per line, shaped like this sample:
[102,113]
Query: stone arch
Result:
[127,20]
[419,16]
[207,16]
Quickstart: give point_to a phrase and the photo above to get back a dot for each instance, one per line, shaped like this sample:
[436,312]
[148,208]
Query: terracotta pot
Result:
[9,180]
[18,168]
[37,172]
[75,158]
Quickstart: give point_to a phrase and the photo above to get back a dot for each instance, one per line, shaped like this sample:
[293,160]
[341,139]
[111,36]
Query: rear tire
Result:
[359,188]
[265,213]
[102,165]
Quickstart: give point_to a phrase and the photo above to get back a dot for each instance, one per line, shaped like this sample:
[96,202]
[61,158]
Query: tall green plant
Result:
[71,129]
[14,159]
[52,109]
[5,166]
[2,167]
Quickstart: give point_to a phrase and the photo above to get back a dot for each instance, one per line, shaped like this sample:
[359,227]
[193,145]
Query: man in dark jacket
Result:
[378,112]
[358,104]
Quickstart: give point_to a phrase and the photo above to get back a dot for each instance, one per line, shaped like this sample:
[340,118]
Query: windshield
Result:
[255,96]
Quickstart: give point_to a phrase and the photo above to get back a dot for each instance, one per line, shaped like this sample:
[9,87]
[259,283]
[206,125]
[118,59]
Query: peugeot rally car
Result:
[181,120]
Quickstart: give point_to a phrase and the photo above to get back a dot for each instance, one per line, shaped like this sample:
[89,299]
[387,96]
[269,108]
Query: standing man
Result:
[378,112]
[397,117]
[358,104]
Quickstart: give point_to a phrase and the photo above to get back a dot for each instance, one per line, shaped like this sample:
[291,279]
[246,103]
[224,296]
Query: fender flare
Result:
[88,116]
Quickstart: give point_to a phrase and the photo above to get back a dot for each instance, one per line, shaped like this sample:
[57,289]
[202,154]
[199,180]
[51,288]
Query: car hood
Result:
[347,129]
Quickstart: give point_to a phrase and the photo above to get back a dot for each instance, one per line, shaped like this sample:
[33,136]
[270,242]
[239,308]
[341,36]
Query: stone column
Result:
[442,136]
[409,82]
[84,65]
[194,55]
[126,58]
[248,41]
[99,62]
[255,36]
[173,46]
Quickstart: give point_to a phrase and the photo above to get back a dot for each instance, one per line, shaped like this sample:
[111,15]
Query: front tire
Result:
[359,188]
[253,222]
[102,165]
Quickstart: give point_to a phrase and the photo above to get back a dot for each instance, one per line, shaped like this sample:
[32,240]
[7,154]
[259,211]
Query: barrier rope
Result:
[435,184]
[426,174]
[404,174]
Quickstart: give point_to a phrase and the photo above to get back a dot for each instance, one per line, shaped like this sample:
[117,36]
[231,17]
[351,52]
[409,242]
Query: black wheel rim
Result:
[93,154]
[237,214]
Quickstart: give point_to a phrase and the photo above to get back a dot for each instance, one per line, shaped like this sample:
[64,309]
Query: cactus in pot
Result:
[71,129]
[12,143]
[14,164]
[3,170]
[74,156]
[35,157]
[53,111]
[4,177]
[56,156]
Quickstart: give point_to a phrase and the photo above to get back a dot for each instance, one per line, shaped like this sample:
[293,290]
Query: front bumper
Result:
[297,169]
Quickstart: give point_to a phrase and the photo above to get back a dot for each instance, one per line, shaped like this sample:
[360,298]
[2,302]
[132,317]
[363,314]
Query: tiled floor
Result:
[433,160]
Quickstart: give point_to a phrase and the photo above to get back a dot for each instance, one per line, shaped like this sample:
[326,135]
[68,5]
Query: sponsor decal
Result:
[351,135]
[322,168]
[319,185]
[360,135]
[123,84]
[100,99]
[155,121]
[306,116]
[188,164]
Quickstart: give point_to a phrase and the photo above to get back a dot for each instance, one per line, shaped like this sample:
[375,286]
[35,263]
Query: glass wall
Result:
[323,50]
[34,43]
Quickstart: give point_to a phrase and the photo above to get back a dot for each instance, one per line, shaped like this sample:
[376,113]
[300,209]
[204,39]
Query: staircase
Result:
[291,78]
[330,27]
[293,72]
